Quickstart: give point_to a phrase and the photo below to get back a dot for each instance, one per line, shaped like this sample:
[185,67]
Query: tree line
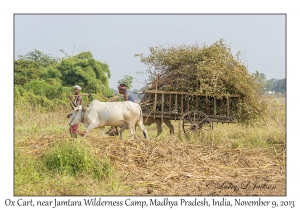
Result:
[271,85]
[47,81]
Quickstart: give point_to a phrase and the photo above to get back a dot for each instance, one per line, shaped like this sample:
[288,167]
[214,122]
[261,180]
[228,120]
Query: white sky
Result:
[115,38]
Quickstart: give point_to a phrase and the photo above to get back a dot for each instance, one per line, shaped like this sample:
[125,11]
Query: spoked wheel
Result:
[195,124]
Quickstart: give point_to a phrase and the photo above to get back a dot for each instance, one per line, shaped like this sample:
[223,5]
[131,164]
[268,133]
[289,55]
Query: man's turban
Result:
[77,87]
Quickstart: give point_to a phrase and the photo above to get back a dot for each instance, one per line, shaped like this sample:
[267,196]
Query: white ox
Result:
[149,121]
[100,114]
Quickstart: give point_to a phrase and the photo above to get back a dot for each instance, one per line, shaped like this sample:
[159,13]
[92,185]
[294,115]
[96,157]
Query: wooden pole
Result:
[170,102]
[222,107]
[181,104]
[188,104]
[196,103]
[215,106]
[176,111]
[227,101]
[155,97]
[84,94]
[206,101]
[162,107]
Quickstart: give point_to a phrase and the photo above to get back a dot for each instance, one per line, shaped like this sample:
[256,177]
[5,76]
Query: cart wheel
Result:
[195,124]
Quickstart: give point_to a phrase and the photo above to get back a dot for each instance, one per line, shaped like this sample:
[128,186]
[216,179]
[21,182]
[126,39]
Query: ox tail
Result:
[142,124]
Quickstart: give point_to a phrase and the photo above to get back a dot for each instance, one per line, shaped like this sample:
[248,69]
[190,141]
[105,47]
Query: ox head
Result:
[75,115]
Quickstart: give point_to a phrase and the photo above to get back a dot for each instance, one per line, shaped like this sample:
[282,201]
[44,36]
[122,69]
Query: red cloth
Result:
[73,129]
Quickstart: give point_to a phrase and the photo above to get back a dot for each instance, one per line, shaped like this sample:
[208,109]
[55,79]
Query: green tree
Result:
[41,79]
[84,70]
[269,84]
[39,58]
[127,80]
[26,70]
[261,79]
[280,86]
[277,85]
[32,66]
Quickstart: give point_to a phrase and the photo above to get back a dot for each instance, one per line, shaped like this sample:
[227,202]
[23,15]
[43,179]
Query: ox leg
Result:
[158,126]
[170,126]
[90,127]
[143,128]
[102,130]
[122,129]
[131,130]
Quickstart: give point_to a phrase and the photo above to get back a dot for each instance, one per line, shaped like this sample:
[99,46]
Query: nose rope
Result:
[73,119]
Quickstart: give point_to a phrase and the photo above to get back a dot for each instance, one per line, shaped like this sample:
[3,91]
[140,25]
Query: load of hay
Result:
[206,70]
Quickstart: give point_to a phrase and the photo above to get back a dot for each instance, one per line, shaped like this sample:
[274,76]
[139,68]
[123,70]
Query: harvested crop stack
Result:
[209,70]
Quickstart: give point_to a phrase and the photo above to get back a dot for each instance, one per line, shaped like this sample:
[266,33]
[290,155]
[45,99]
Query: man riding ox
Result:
[101,114]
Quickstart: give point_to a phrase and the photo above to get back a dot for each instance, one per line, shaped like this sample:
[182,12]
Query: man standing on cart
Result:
[123,90]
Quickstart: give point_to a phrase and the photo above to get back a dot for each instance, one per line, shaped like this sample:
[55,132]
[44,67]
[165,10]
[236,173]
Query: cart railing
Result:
[213,118]
[173,104]
[187,93]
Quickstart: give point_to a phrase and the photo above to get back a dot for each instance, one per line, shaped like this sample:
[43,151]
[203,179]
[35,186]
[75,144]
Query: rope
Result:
[73,118]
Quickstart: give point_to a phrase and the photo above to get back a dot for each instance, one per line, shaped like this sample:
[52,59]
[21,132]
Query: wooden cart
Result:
[196,112]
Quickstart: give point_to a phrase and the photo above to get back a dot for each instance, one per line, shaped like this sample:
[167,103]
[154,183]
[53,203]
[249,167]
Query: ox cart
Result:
[195,112]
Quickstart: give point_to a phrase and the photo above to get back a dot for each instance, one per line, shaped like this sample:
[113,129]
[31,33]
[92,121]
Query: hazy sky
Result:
[115,38]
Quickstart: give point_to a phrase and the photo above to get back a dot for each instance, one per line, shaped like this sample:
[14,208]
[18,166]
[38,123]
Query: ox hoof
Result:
[82,133]
[112,132]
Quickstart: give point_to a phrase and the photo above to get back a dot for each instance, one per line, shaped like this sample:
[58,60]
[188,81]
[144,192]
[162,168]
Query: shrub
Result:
[75,157]
[42,88]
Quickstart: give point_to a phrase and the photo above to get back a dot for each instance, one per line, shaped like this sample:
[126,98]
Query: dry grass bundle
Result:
[202,69]
[209,70]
